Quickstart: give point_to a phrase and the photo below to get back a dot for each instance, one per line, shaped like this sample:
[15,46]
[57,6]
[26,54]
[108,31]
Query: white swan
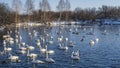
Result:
[32,55]
[71,44]
[51,52]
[31,47]
[14,58]
[92,42]
[37,62]
[42,50]
[49,60]
[62,47]
[75,55]
[8,49]
[97,40]
[21,52]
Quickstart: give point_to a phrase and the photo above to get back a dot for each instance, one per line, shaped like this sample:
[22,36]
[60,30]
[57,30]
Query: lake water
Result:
[104,54]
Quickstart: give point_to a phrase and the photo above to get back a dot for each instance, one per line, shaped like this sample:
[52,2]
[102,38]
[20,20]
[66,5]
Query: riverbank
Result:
[56,23]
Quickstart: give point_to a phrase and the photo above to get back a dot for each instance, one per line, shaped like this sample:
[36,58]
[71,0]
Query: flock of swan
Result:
[22,48]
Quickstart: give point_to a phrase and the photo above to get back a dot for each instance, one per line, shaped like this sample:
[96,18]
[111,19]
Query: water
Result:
[104,54]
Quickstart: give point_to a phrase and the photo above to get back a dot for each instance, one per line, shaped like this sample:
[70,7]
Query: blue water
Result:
[104,54]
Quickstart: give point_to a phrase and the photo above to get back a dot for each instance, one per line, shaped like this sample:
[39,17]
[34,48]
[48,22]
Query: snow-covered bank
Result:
[109,21]
[57,23]
[29,24]
[87,22]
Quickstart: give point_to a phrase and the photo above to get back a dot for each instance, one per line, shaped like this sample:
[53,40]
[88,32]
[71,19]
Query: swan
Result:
[42,50]
[11,42]
[71,44]
[62,47]
[92,42]
[8,49]
[97,40]
[14,58]
[51,52]
[31,47]
[49,60]
[50,42]
[21,52]
[37,62]
[75,55]
[32,55]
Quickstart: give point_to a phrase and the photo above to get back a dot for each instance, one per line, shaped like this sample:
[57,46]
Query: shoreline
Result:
[55,23]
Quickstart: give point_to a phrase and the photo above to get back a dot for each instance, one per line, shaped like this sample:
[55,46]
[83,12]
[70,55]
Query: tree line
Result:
[6,15]
[63,13]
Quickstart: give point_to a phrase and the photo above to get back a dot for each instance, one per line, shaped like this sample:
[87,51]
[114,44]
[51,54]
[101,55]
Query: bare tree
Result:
[29,7]
[40,5]
[5,17]
[16,8]
[61,7]
[67,9]
[45,7]
[67,5]
[40,9]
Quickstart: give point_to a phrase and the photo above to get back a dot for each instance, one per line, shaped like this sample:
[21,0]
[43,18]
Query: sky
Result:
[74,3]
